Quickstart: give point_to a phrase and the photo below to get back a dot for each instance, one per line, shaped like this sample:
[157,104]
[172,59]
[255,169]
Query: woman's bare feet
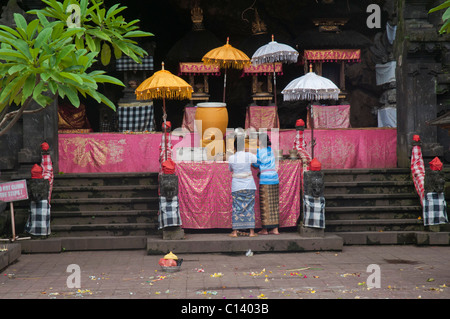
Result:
[233,233]
[274,232]
[252,233]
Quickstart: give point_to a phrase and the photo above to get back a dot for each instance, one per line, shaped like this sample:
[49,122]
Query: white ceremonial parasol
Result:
[311,87]
[275,52]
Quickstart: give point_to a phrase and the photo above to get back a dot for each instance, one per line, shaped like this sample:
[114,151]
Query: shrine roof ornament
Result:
[333,55]
[263,69]
[198,68]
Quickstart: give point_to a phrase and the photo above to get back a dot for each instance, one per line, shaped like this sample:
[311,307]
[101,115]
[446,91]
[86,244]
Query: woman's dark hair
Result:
[265,137]
[239,143]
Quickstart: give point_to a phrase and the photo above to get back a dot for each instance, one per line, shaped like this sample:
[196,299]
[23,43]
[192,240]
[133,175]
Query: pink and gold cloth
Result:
[330,116]
[205,201]
[120,152]
[333,55]
[189,118]
[262,117]
[109,152]
[349,148]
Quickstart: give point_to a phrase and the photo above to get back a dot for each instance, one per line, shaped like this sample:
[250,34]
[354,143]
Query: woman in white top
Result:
[243,188]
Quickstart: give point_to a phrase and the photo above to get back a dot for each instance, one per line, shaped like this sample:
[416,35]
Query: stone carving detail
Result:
[38,189]
[168,185]
[434,181]
[313,183]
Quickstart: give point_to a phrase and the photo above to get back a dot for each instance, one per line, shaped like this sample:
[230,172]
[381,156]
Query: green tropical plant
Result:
[445,16]
[50,57]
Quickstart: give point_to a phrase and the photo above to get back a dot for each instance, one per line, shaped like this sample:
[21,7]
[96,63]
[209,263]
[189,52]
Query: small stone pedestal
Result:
[433,228]
[310,231]
[173,233]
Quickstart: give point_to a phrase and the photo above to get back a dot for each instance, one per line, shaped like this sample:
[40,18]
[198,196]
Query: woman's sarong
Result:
[268,205]
[243,209]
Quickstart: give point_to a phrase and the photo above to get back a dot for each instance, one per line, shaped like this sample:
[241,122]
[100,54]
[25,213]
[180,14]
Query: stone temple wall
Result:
[422,59]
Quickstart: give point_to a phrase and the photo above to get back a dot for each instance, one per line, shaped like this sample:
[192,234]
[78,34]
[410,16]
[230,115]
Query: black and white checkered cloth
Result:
[136,118]
[126,63]
[169,214]
[434,209]
[314,211]
[38,222]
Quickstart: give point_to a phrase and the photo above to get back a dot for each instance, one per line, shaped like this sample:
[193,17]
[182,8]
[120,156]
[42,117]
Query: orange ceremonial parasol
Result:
[226,57]
[165,85]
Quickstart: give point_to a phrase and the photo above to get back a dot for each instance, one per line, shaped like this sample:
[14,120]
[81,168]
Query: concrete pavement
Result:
[406,272]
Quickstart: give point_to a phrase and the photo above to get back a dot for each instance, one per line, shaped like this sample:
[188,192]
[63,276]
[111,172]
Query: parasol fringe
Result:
[310,96]
[184,94]
[227,64]
[286,57]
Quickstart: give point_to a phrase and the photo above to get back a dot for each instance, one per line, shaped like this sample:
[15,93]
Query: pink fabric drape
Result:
[349,148]
[188,118]
[262,117]
[118,152]
[205,194]
[109,153]
[330,116]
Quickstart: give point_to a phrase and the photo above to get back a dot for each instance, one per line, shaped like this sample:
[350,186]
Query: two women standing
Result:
[243,187]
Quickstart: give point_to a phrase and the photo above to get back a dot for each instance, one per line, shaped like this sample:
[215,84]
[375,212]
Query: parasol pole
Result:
[313,142]
[224,84]
[225,76]
[274,84]
[274,79]
[164,121]
[165,128]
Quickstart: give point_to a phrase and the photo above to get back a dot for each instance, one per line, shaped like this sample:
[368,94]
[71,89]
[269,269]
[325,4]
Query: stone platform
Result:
[222,243]
[9,253]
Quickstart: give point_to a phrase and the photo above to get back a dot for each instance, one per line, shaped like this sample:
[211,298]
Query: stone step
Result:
[98,204]
[125,229]
[361,225]
[222,243]
[395,238]
[368,187]
[349,175]
[103,217]
[106,179]
[398,199]
[373,212]
[77,243]
[117,191]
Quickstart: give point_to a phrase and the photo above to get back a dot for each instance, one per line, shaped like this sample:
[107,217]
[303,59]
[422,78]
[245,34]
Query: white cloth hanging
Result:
[385,73]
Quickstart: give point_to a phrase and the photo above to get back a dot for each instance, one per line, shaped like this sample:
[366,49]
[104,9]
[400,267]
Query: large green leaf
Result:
[72,76]
[105,55]
[134,34]
[16,68]
[446,4]
[103,78]
[28,87]
[43,37]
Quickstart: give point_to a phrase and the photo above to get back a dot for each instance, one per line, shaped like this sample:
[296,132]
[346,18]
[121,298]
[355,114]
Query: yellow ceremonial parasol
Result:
[165,85]
[226,57]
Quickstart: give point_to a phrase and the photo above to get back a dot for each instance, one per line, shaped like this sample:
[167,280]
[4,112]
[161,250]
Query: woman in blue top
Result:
[268,187]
